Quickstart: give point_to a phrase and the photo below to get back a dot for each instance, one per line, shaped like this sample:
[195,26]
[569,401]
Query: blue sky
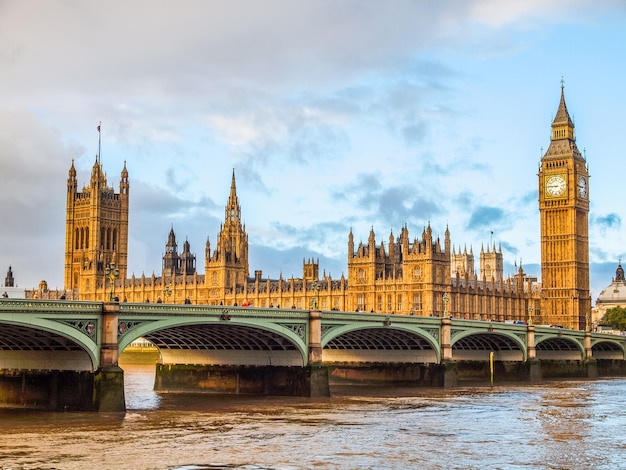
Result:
[335,116]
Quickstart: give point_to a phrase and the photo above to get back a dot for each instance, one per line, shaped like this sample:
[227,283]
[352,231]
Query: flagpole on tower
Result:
[99,142]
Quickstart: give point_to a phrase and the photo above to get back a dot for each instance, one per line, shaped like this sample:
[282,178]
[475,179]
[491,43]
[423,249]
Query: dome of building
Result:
[615,293]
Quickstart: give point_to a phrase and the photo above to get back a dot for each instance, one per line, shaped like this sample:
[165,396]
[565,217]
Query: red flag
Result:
[98,128]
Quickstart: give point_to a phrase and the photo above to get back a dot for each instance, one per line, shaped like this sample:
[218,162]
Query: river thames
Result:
[557,425]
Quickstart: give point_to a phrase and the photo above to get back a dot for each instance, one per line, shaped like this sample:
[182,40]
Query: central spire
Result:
[233,189]
[233,211]
[562,125]
[563,139]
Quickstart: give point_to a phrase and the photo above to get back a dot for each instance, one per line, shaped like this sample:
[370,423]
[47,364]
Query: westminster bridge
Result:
[64,354]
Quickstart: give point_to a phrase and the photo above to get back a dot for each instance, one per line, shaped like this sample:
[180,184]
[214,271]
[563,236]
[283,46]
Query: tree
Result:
[616,318]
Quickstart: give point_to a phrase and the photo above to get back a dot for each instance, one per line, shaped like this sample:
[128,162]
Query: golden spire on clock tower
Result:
[564,209]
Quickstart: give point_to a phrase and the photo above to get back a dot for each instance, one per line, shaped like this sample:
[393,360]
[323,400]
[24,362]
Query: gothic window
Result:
[214,278]
[399,302]
[417,302]
[389,304]
[379,302]
[417,272]
[86,244]
[361,301]
[361,275]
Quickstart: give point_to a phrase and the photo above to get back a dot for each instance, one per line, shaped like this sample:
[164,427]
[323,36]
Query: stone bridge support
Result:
[319,385]
[449,367]
[534,364]
[590,362]
[108,388]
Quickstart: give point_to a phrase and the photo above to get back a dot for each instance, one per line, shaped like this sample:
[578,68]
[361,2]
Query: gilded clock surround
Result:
[556,185]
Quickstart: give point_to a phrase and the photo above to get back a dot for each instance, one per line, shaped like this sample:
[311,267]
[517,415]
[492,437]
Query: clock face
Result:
[555,185]
[582,186]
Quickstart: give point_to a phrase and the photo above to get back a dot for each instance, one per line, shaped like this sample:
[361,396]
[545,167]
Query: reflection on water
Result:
[564,425]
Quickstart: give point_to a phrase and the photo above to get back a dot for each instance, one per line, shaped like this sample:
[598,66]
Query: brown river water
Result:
[557,425]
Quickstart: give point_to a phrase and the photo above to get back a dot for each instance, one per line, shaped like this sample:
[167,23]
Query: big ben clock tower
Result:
[564,209]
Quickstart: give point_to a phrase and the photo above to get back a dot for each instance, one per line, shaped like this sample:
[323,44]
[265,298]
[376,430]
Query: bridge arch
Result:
[229,341]
[556,346]
[26,343]
[607,349]
[371,342]
[476,344]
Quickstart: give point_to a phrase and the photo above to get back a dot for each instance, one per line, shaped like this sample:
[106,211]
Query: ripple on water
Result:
[570,425]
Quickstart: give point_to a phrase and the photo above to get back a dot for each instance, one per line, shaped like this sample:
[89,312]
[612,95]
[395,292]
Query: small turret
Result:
[9,281]
[72,184]
[619,273]
[350,245]
[98,179]
[124,184]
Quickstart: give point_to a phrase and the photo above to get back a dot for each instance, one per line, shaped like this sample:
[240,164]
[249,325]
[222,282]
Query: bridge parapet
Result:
[49,306]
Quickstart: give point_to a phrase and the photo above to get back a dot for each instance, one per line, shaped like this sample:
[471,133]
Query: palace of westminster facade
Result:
[423,276]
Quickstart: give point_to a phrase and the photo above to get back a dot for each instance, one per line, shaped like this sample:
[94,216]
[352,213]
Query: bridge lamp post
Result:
[530,316]
[446,299]
[112,273]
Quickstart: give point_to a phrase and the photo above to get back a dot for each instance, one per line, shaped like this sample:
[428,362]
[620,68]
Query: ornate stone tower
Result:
[417,274]
[311,269]
[171,261]
[462,262]
[175,264]
[9,281]
[187,260]
[226,268]
[564,209]
[96,230]
[491,263]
